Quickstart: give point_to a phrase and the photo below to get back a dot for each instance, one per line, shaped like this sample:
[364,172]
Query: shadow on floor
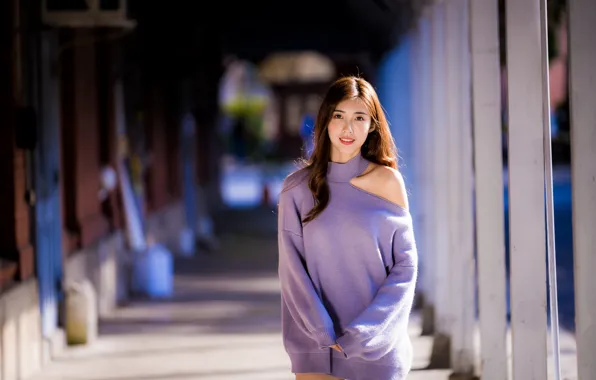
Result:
[232,291]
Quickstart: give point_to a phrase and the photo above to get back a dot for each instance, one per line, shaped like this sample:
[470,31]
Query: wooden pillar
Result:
[107,74]
[172,118]
[157,176]
[284,135]
[16,251]
[205,91]
[81,160]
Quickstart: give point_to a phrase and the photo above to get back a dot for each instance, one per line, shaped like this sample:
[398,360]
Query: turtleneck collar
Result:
[344,172]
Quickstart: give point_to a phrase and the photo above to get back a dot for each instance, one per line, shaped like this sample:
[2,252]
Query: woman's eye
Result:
[337,116]
[360,118]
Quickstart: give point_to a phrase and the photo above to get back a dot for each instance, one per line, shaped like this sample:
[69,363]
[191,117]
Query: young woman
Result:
[347,257]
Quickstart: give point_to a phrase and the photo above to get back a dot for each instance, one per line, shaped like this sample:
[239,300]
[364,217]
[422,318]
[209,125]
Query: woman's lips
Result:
[346,141]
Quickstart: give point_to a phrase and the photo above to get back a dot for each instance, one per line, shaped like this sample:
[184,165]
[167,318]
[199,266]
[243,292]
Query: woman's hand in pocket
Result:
[337,348]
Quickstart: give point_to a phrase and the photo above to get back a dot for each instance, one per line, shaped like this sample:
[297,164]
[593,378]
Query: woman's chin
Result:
[347,150]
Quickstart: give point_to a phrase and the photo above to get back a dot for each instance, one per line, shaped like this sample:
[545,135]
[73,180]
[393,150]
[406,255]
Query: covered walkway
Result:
[458,96]
[223,322]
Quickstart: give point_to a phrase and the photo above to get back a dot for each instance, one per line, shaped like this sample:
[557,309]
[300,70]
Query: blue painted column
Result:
[400,84]
[396,96]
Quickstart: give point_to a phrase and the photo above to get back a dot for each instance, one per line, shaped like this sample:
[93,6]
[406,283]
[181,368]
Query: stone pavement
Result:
[222,324]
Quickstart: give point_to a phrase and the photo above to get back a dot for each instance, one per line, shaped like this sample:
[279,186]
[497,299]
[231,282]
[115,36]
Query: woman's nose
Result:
[348,127]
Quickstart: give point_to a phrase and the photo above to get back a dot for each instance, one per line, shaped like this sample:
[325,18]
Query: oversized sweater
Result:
[347,277]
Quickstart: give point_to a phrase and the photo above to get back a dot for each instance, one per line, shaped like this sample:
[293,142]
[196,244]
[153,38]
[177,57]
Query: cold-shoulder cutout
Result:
[385,183]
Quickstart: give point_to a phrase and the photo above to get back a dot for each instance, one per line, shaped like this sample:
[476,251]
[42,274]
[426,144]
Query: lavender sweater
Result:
[347,277]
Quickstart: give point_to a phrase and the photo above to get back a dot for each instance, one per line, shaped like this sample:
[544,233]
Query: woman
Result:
[347,258]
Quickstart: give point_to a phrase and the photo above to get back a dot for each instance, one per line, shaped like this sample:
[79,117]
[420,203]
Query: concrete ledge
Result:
[440,357]
[20,332]
[53,346]
[106,264]
[102,265]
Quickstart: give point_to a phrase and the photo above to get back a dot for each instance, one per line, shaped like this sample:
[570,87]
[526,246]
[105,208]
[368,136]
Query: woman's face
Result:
[349,126]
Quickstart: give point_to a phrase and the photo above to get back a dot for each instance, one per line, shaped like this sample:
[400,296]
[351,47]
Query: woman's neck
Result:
[346,171]
[342,158]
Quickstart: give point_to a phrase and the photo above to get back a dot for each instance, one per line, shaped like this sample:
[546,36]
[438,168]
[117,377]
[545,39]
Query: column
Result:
[16,251]
[582,61]
[157,177]
[525,59]
[394,77]
[460,188]
[488,163]
[416,200]
[438,133]
[108,67]
[81,158]
[423,143]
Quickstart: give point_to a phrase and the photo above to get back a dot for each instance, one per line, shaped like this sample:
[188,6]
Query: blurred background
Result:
[143,147]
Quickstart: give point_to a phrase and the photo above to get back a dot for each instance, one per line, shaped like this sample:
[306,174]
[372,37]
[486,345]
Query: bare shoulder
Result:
[389,184]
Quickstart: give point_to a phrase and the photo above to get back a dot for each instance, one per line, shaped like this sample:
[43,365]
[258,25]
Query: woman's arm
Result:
[298,292]
[374,332]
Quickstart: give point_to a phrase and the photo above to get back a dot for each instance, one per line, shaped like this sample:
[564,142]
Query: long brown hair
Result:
[379,146]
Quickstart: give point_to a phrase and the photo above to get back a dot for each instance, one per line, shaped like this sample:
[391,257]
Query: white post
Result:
[416,199]
[421,93]
[460,188]
[464,352]
[525,56]
[582,61]
[488,162]
[440,217]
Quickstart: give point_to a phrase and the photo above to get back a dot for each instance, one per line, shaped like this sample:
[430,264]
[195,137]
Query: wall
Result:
[21,344]
[103,264]
[95,246]
[106,264]
[16,251]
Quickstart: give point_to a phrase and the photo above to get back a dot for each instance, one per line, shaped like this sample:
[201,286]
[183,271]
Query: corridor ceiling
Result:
[253,29]
[329,26]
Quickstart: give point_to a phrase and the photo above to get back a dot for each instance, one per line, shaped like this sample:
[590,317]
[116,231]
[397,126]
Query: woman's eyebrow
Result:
[357,112]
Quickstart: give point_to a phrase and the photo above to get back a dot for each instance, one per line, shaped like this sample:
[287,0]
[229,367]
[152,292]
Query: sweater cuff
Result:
[346,342]
[324,338]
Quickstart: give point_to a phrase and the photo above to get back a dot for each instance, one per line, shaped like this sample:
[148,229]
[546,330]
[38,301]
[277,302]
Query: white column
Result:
[460,187]
[582,62]
[438,166]
[463,342]
[525,56]
[415,199]
[488,162]
[422,207]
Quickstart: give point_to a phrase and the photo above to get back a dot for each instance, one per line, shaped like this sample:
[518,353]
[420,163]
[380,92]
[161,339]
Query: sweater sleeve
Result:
[376,329]
[297,289]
